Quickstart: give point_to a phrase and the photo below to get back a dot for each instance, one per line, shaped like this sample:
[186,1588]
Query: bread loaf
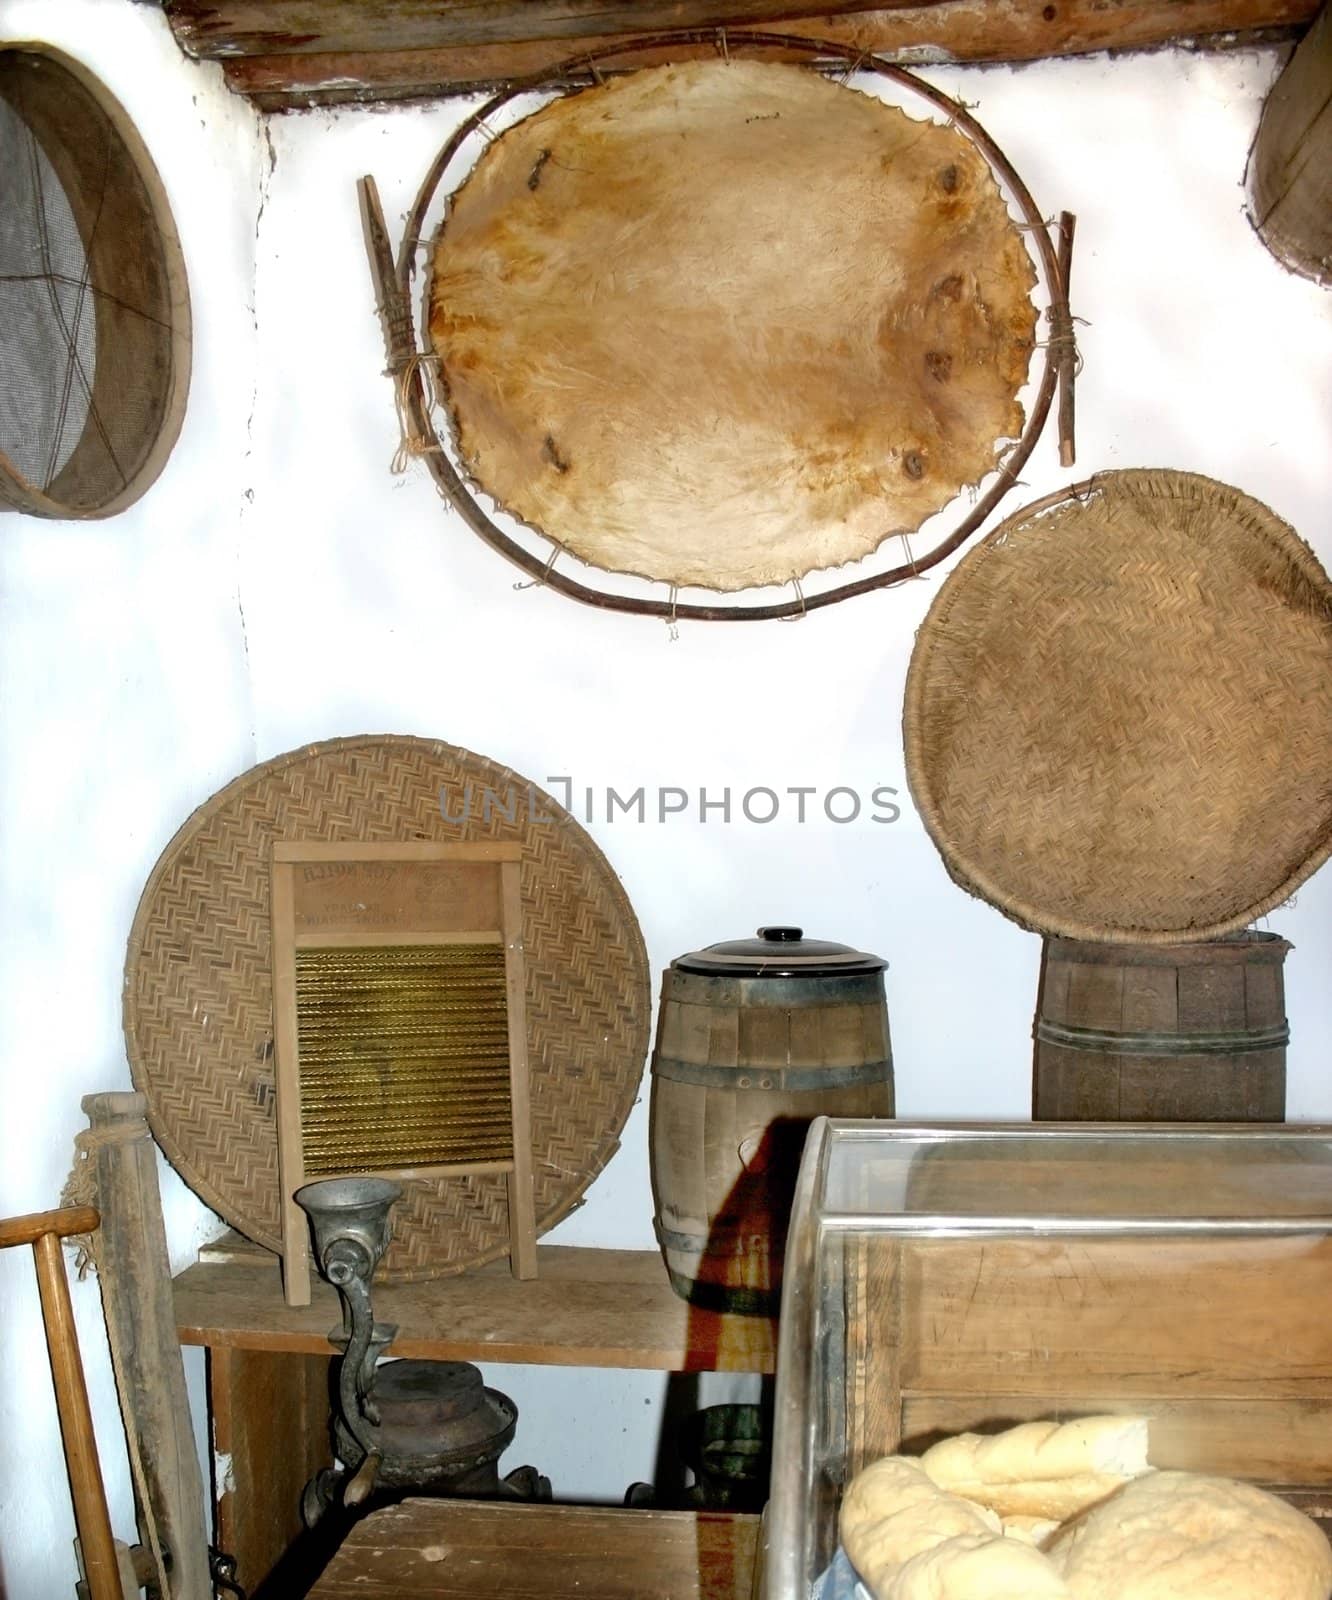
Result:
[978,1568]
[930,1529]
[892,1512]
[1047,1470]
[910,1540]
[1030,1530]
[1184,1536]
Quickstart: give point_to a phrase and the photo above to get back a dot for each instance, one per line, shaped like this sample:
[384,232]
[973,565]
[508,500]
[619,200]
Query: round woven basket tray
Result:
[1119,711]
[198,999]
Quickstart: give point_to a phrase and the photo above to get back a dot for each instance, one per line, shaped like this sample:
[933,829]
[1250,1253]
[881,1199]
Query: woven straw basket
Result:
[198,991]
[1119,712]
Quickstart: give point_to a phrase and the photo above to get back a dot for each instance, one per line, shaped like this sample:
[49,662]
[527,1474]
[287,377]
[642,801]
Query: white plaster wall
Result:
[124,698]
[134,687]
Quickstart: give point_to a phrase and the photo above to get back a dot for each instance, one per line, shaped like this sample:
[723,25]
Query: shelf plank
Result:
[587,1308]
[456,1550]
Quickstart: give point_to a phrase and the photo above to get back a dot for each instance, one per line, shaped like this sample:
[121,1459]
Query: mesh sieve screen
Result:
[48,349]
[94,312]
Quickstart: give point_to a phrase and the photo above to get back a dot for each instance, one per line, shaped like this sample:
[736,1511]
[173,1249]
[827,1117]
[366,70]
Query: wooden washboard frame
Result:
[335,905]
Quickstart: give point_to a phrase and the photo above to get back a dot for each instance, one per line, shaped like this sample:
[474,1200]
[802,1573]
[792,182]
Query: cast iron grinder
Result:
[409,1427]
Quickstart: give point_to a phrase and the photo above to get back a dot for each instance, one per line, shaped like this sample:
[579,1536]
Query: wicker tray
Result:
[1119,711]
[198,1002]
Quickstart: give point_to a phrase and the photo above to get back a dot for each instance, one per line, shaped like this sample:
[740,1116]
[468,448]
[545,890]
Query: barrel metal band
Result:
[772,1077]
[1237,1042]
[722,1238]
[804,993]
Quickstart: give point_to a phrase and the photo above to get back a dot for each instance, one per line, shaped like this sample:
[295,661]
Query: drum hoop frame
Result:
[580,72]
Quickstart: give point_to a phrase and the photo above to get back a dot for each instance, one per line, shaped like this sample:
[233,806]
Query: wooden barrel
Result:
[1290,165]
[755,1039]
[1162,1033]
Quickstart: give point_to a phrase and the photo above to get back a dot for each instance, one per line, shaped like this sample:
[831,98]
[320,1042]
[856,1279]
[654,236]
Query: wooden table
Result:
[459,1550]
[268,1363]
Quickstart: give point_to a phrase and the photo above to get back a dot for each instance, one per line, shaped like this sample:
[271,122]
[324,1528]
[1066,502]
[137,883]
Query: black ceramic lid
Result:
[778,953]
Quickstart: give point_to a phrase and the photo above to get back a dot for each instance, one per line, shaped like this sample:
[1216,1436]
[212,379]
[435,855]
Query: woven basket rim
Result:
[1157,482]
[628,931]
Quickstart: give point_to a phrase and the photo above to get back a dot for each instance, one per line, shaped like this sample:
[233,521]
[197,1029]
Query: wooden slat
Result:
[522,1215]
[270,1422]
[600,1308]
[1151,999]
[381,57]
[874,1312]
[1181,1318]
[134,1275]
[458,1550]
[356,939]
[336,853]
[1096,995]
[286,1069]
[1160,1175]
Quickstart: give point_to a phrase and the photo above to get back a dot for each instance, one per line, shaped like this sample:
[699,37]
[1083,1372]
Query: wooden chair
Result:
[44,1230]
[130,1253]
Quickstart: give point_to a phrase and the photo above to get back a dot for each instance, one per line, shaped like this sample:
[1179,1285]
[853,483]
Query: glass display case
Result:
[948,1278]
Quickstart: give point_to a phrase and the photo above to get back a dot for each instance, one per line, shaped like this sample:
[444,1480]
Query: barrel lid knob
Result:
[782,935]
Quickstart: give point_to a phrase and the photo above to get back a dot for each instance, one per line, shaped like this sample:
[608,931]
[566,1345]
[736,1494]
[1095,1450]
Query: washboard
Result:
[399,1029]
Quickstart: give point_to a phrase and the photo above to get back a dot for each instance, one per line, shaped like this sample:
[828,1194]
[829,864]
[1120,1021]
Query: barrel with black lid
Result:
[756,1037]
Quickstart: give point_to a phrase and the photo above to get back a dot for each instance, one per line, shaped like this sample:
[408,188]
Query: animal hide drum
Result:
[726,323]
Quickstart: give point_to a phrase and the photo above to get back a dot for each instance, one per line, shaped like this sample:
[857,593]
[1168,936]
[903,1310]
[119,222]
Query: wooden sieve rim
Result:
[16,491]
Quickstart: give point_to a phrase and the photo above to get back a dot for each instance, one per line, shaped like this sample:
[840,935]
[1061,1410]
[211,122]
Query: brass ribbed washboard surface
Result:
[404,1057]
[198,1000]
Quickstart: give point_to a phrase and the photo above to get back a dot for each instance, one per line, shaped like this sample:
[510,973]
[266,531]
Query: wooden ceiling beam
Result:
[335,27]
[277,53]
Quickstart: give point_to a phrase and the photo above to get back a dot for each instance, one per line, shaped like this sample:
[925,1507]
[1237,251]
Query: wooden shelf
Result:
[585,1308]
[457,1550]
[268,1366]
